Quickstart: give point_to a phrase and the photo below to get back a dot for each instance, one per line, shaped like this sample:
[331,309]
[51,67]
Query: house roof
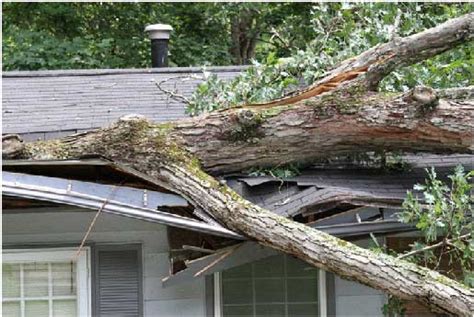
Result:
[318,190]
[51,104]
[331,198]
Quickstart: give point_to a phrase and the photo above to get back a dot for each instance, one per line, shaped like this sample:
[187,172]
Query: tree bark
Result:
[339,114]
[328,125]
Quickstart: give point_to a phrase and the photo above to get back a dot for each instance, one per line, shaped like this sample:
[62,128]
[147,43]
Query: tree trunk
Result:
[337,115]
[244,35]
[328,125]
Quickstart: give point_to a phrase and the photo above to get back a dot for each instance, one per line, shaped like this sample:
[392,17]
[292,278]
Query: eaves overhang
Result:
[128,202]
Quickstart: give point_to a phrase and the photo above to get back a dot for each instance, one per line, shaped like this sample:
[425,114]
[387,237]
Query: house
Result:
[94,237]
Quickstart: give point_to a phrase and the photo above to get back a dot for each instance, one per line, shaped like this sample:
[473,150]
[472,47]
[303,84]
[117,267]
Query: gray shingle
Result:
[52,101]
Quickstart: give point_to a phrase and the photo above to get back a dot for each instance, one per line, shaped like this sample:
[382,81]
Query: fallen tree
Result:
[339,114]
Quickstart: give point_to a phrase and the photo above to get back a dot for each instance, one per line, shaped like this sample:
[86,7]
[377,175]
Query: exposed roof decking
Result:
[317,189]
[45,103]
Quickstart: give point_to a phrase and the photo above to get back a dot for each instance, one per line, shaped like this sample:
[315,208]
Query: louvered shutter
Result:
[118,282]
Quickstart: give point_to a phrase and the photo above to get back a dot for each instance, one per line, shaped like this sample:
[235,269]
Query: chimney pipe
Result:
[159,35]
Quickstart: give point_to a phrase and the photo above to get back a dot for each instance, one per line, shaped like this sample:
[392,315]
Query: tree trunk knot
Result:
[133,122]
[247,117]
[425,97]
[247,127]
[12,146]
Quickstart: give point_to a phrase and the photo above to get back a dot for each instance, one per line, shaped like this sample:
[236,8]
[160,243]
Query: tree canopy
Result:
[315,36]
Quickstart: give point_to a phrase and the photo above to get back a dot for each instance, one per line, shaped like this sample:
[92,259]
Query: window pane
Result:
[36,308]
[277,310]
[302,290]
[64,278]
[276,286]
[303,310]
[238,310]
[11,309]
[269,290]
[64,308]
[238,272]
[298,268]
[270,267]
[11,280]
[237,292]
[35,279]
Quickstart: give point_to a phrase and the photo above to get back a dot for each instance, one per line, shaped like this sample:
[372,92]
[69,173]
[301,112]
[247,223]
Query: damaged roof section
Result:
[318,191]
[346,203]
[120,200]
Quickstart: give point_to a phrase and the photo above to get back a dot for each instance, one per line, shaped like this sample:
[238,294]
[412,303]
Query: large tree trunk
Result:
[328,125]
[339,114]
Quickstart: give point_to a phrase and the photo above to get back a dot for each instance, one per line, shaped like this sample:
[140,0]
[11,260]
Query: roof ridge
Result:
[121,71]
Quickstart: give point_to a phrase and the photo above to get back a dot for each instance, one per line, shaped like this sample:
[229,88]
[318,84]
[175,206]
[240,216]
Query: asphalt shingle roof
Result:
[48,104]
[51,104]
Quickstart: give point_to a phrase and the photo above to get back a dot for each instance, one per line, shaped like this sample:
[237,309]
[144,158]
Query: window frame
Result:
[52,255]
[322,294]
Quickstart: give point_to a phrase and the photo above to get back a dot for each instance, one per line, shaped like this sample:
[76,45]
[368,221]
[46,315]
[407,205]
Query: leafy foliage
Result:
[55,54]
[446,213]
[110,35]
[279,172]
[260,82]
[342,30]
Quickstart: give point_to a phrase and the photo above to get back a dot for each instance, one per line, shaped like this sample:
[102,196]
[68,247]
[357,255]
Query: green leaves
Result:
[257,84]
[445,213]
[279,172]
[340,31]
[300,40]
[201,33]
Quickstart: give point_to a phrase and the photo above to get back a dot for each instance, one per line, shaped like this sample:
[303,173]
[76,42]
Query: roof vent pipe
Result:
[159,35]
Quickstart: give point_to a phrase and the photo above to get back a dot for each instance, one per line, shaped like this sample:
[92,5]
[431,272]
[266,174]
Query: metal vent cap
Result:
[158,31]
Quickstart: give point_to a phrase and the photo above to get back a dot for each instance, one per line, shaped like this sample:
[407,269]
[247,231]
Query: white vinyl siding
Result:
[45,282]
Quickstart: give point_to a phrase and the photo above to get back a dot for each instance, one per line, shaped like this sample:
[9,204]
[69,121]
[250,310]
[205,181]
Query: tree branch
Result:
[328,125]
[456,93]
[431,247]
[323,126]
[369,68]
[174,94]
[415,48]
[170,165]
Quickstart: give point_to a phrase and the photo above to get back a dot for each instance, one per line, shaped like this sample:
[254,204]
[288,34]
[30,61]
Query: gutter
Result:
[33,187]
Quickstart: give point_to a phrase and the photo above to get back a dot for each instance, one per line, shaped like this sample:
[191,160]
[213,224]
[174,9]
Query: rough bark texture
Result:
[330,124]
[337,115]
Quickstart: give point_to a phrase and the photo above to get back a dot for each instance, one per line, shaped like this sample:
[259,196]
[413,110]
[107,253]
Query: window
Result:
[45,282]
[275,286]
